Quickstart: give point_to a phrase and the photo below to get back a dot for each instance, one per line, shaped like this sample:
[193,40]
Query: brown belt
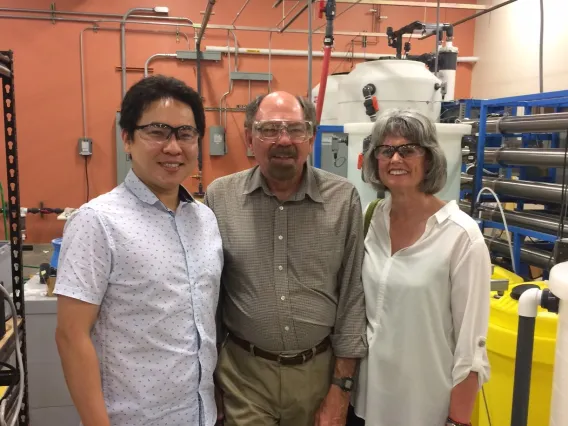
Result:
[284,359]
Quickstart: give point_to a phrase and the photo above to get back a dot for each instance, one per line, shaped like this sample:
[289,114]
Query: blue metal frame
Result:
[317,142]
[556,100]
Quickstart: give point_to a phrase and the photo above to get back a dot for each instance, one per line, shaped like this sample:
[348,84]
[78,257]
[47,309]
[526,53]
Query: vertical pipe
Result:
[83,96]
[528,310]
[523,365]
[328,45]
[310,47]
[477,181]
[323,82]
[437,38]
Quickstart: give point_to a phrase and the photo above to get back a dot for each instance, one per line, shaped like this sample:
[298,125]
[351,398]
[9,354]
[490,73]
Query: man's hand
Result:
[219,403]
[333,409]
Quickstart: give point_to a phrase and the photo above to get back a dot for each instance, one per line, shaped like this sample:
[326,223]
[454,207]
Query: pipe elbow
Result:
[529,302]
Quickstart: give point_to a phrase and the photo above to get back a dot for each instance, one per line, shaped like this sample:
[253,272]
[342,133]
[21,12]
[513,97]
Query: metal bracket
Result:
[53,16]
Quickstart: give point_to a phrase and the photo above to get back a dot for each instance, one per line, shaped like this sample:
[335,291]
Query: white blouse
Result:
[427,318]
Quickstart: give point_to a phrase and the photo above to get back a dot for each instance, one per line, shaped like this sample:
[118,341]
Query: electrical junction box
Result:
[85,147]
[217,143]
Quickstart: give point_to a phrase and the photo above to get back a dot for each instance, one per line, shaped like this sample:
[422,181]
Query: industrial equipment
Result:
[521,156]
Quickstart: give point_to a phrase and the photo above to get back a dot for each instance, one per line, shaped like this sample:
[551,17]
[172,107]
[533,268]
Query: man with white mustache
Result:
[291,322]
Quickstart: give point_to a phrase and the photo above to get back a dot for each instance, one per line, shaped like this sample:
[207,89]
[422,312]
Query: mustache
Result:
[284,151]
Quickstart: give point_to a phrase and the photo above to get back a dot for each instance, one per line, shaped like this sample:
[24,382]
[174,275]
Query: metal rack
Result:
[9,107]
[517,173]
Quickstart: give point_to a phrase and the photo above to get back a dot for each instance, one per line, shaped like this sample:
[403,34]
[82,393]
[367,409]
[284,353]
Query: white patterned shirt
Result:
[155,274]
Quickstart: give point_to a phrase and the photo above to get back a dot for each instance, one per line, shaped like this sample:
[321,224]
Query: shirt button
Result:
[280,268]
[281,207]
[280,237]
[283,298]
[286,328]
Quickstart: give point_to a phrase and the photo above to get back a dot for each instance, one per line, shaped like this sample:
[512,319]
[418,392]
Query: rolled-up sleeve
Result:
[349,338]
[85,258]
[470,295]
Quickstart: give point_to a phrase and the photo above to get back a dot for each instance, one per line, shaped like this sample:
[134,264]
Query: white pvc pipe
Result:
[558,284]
[529,302]
[319,54]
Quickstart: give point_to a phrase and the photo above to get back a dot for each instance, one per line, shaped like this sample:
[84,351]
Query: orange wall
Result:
[48,94]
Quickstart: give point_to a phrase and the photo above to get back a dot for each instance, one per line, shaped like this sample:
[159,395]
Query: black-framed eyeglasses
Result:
[161,132]
[271,130]
[409,150]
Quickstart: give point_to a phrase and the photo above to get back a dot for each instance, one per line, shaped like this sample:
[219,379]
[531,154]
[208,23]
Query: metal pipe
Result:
[123,44]
[277,3]
[210,26]
[310,48]
[296,16]
[539,258]
[475,15]
[319,54]
[546,157]
[154,56]
[289,12]
[104,15]
[537,191]
[205,21]
[436,59]
[537,123]
[240,11]
[82,62]
[356,2]
[547,224]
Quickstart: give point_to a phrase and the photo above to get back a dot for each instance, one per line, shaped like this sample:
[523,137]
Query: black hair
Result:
[153,88]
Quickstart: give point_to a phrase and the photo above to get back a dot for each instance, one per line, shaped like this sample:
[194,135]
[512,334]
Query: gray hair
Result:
[416,128]
[252,109]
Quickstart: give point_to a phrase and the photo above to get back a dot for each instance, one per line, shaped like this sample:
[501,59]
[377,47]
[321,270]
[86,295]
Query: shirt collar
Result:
[440,216]
[143,193]
[308,186]
[446,211]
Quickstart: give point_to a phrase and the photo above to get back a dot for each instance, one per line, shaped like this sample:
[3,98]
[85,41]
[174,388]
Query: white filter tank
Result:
[449,137]
[329,114]
[399,84]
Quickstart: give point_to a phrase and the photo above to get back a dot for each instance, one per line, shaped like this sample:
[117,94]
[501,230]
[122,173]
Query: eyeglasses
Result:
[160,133]
[271,130]
[409,150]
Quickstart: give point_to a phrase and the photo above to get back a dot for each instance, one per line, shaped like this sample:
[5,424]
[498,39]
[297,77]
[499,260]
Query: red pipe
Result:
[323,81]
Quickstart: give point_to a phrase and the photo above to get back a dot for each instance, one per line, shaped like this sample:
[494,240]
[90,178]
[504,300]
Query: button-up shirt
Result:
[292,273]
[428,313]
[155,274]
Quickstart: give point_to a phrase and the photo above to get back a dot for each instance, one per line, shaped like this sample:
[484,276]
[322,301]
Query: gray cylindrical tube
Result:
[532,256]
[537,191]
[546,157]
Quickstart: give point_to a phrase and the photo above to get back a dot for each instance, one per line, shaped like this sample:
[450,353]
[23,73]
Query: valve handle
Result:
[321,9]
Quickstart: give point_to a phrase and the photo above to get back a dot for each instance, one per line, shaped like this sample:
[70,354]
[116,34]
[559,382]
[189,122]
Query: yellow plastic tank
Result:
[494,404]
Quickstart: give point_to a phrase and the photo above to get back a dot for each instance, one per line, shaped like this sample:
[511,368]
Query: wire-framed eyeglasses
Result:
[409,150]
[271,130]
[161,133]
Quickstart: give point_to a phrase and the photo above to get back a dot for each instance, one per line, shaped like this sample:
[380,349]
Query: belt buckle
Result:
[283,357]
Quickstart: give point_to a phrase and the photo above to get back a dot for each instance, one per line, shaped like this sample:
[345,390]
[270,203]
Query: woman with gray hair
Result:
[426,276]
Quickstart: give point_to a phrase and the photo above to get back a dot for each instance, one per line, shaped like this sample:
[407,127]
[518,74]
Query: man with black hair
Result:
[139,273]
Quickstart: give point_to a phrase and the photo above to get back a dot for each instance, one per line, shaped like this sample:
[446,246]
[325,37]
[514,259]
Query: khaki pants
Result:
[258,392]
